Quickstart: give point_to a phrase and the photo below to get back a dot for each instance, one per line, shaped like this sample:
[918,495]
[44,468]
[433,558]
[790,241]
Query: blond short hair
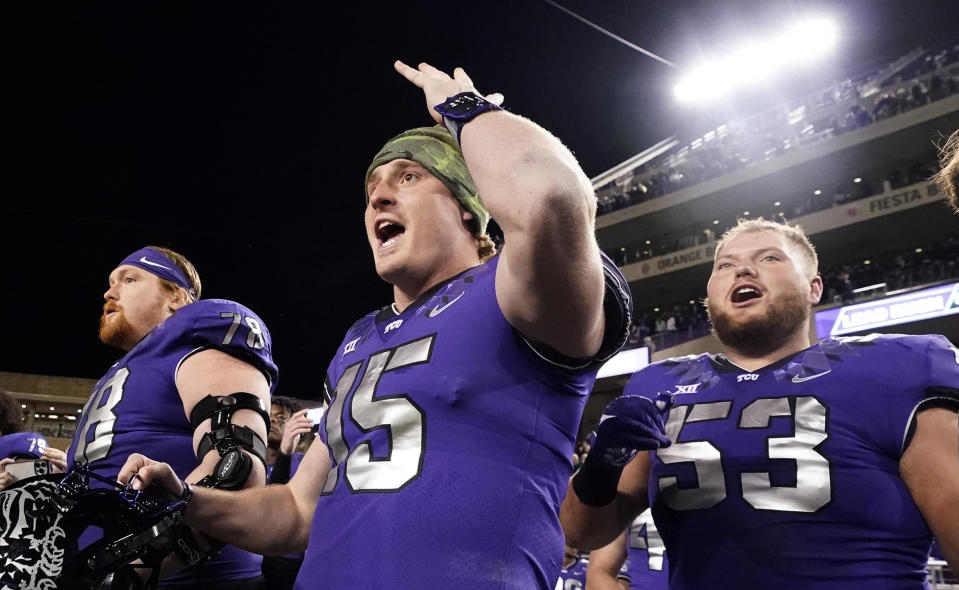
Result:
[188,269]
[792,232]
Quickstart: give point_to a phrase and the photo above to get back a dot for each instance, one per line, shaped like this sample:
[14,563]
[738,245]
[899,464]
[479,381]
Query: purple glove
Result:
[629,424]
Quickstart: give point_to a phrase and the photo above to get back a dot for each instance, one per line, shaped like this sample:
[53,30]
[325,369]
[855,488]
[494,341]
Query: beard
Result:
[117,331]
[757,336]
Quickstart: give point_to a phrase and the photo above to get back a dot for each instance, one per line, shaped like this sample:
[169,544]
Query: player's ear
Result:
[815,290]
[178,298]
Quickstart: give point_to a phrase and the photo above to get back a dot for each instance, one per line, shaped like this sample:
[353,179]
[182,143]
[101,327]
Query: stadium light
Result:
[759,61]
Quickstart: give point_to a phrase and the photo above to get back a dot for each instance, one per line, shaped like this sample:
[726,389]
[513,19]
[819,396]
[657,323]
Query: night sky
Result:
[239,135]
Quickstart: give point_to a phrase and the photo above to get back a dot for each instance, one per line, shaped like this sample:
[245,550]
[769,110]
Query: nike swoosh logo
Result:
[144,260]
[438,310]
[798,379]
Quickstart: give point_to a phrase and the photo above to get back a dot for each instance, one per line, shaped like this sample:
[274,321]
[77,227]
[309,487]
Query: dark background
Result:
[238,135]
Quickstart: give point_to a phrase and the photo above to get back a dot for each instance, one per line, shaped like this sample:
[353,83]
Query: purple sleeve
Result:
[942,382]
[235,330]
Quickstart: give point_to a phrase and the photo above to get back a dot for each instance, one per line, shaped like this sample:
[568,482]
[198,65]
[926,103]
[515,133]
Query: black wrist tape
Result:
[595,483]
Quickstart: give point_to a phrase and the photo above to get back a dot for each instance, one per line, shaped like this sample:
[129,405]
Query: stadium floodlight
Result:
[759,61]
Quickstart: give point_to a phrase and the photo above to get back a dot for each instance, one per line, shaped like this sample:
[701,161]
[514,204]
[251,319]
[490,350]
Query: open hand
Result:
[437,85]
[295,427]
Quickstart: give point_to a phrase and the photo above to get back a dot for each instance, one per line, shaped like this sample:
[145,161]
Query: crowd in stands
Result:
[670,325]
[933,262]
[936,261]
[844,107]
[790,207]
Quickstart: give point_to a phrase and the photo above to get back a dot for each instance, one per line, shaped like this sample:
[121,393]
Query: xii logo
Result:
[351,345]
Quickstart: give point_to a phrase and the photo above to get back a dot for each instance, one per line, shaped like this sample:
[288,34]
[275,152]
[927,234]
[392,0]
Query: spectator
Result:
[281,408]
[660,325]
[846,293]
[17,445]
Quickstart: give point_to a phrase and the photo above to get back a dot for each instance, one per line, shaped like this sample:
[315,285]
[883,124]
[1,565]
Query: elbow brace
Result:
[229,440]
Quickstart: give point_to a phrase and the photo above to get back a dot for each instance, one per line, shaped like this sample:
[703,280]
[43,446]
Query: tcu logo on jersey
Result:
[351,345]
[392,325]
[747,377]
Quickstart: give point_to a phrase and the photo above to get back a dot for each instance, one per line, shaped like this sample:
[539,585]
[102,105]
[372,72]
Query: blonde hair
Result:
[484,247]
[948,176]
[794,233]
[193,293]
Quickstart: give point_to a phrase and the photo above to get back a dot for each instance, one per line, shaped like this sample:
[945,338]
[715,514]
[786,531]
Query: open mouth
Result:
[387,232]
[744,294]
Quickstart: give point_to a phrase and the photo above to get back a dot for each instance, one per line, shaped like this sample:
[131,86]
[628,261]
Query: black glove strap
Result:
[595,483]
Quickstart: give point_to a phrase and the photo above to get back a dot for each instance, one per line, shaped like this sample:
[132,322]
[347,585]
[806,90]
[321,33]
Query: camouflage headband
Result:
[436,150]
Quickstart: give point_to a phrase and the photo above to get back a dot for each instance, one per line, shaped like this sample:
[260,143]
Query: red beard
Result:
[117,331]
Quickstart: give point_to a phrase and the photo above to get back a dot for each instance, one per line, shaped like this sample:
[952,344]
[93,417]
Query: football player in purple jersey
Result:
[447,442]
[781,464]
[195,381]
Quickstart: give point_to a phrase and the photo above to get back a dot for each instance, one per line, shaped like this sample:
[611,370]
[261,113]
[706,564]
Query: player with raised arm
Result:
[446,446]
[823,466]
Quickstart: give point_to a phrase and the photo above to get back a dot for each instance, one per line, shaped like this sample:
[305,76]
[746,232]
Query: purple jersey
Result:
[451,441]
[22,445]
[136,408]
[788,477]
[574,576]
[646,563]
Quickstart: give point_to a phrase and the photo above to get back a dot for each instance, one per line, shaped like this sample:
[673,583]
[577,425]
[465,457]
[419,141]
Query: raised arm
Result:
[610,489]
[549,281]
[590,526]
[605,564]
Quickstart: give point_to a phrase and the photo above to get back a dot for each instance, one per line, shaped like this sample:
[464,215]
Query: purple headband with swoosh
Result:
[154,262]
